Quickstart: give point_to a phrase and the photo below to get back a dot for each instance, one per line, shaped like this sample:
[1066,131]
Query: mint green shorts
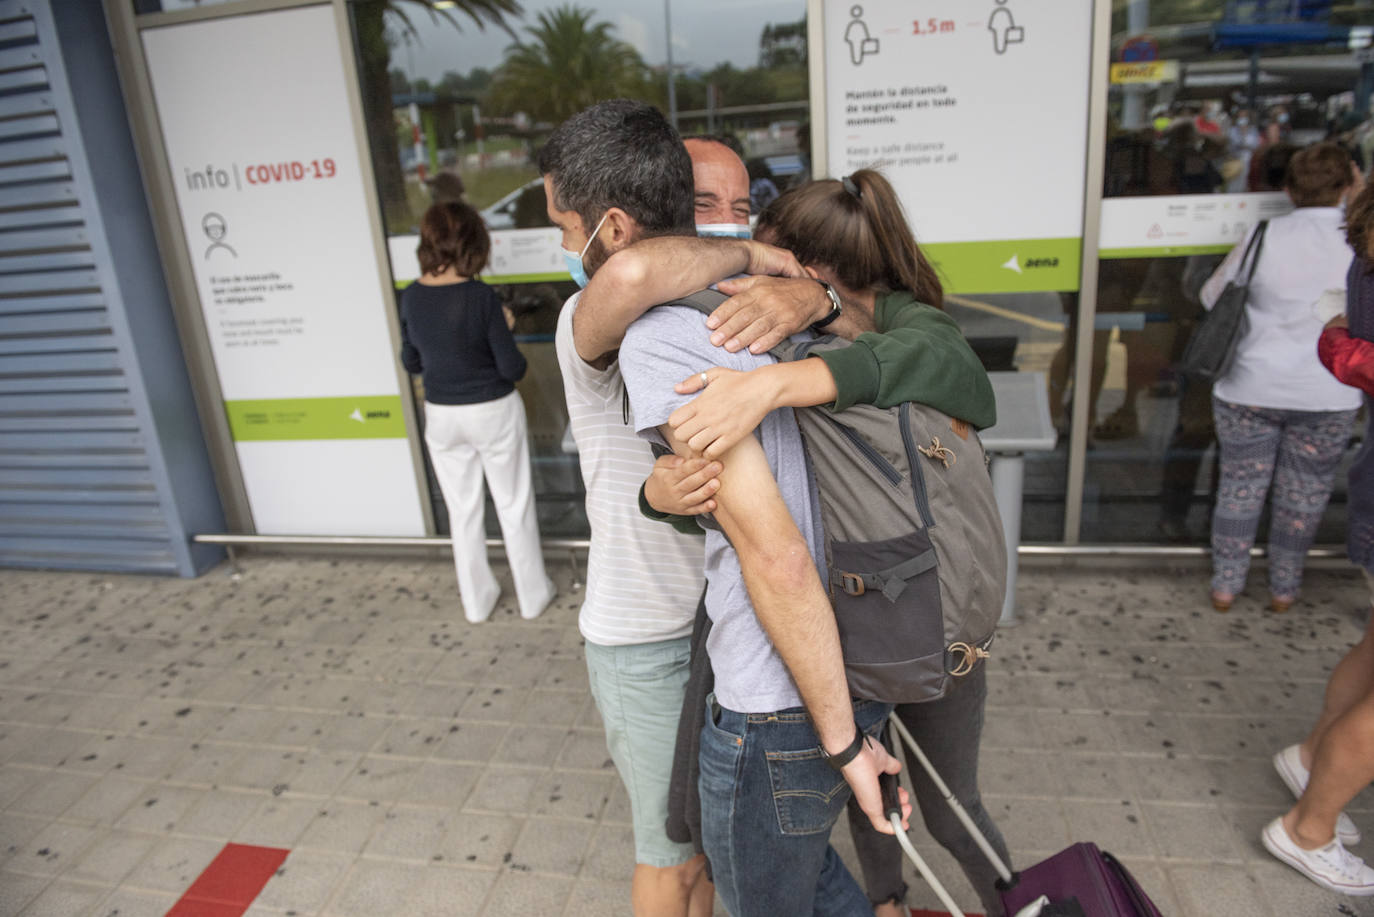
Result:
[638,690]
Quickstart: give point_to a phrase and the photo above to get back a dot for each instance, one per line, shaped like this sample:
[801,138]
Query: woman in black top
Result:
[455,333]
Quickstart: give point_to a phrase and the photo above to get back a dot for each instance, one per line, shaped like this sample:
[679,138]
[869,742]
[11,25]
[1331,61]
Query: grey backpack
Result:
[913,539]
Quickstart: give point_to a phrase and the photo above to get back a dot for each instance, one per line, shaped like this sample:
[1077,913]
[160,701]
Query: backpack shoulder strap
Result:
[704,301]
[708,300]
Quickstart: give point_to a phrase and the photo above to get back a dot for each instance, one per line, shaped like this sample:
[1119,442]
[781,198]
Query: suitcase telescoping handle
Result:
[892,809]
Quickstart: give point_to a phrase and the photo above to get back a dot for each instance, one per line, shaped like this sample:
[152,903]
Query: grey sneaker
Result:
[1289,765]
[1331,866]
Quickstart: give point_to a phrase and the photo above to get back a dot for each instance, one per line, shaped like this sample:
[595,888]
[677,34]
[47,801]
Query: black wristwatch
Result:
[834,307]
[840,758]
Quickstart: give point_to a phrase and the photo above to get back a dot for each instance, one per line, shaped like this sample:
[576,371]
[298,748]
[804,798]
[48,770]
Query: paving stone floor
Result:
[415,764]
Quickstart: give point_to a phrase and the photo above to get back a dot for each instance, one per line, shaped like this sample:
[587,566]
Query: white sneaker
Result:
[1289,765]
[1331,866]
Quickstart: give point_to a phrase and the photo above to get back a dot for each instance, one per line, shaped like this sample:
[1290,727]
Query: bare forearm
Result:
[797,617]
[801,383]
[643,275]
[784,588]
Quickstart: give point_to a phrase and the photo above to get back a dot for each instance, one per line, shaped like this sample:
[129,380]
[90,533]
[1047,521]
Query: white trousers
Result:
[467,441]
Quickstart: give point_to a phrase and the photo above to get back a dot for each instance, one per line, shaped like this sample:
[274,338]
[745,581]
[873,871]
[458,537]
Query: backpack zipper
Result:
[918,477]
[875,459]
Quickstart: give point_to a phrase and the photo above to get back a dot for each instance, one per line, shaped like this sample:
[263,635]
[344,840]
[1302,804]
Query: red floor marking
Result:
[230,883]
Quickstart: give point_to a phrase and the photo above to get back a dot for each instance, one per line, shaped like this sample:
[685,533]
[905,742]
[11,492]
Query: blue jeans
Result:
[768,802]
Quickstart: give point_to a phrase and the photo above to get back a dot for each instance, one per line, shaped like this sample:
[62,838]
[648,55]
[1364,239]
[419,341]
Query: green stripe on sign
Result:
[1011,266]
[1163,251]
[498,279]
[361,417]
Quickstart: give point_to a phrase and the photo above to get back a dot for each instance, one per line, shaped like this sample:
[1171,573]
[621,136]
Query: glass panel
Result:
[1024,332]
[171,6]
[457,102]
[1208,100]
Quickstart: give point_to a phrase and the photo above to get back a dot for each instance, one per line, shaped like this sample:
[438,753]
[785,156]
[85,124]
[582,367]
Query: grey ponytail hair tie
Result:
[851,187]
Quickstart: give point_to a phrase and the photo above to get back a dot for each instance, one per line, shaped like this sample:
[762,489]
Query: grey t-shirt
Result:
[665,346]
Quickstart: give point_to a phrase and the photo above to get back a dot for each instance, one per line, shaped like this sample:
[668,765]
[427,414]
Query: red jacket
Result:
[1350,359]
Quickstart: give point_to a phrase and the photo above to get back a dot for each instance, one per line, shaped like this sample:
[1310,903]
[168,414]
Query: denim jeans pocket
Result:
[808,793]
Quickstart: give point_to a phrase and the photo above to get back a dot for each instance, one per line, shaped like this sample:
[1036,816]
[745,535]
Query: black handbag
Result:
[1212,345]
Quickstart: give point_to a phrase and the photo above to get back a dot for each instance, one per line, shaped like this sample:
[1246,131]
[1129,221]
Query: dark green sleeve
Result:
[918,355]
[687,525]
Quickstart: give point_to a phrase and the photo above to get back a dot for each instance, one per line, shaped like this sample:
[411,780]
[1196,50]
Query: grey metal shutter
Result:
[79,485]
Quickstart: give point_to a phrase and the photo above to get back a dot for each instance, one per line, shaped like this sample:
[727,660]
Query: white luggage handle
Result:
[895,817]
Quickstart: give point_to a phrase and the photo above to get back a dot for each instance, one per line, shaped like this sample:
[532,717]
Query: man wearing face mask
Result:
[644,579]
[721,183]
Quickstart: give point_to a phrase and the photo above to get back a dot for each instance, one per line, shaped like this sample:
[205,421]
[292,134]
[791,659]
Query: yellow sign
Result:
[1155,71]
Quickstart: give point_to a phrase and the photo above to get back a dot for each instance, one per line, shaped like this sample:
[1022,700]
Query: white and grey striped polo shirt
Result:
[643,577]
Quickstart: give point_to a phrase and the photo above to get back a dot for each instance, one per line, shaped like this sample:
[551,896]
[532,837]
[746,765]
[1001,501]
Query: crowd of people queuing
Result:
[711,643]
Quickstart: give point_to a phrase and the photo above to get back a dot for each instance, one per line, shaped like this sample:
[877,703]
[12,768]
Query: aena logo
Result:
[1014,264]
[361,417]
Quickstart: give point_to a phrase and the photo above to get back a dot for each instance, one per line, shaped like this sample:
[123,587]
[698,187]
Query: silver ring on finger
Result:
[704,380]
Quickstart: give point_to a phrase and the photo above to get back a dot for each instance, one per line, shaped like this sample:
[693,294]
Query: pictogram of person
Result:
[215,229]
[1003,27]
[857,37]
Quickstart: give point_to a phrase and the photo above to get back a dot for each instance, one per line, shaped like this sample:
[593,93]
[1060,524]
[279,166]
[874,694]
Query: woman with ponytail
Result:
[851,238]
[852,235]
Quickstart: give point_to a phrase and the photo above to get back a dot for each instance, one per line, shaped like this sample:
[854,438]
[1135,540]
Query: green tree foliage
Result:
[456,84]
[567,63]
[376,24]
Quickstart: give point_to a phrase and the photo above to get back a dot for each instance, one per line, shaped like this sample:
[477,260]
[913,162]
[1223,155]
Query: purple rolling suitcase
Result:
[1079,881]
[1095,879]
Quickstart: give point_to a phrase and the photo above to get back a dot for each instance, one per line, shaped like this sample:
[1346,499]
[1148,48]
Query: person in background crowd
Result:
[1336,760]
[447,188]
[455,333]
[1279,415]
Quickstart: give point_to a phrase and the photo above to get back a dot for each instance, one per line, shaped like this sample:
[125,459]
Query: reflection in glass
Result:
[1207,103]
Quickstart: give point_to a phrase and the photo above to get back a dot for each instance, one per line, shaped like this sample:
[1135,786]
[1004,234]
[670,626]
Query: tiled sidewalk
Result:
[414,764]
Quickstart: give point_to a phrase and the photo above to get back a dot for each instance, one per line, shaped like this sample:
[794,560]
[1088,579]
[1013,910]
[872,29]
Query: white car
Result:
[502,214]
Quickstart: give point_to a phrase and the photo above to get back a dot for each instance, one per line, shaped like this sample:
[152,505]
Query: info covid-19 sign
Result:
[259,136]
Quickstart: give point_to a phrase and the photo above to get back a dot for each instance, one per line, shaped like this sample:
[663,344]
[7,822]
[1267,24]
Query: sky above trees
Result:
[705,33]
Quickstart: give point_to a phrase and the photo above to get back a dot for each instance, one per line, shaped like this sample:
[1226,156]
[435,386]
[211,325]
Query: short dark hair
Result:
[452,234]
[729,141]
[1318,174]
[622,153]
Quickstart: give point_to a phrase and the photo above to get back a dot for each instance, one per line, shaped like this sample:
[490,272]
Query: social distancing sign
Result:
[977,113]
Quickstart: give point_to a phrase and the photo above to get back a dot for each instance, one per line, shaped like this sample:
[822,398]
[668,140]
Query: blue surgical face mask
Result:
[724,230]
[574,262]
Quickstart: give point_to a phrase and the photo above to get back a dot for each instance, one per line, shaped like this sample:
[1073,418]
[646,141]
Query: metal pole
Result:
[1133,97]
[1087,287]
[672,87]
